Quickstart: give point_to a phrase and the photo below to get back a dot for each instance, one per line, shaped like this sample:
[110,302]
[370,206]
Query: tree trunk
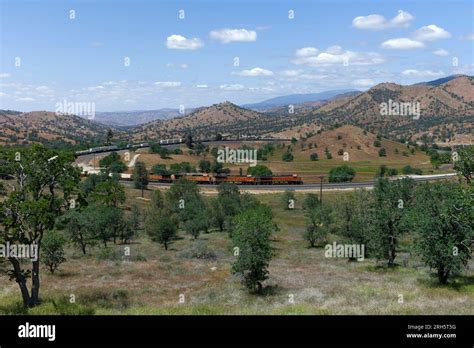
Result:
[83,247]
[21,280]
[166,246]
[443,275]
[35,280]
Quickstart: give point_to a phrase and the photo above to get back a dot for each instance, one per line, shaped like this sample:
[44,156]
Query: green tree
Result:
[251,242]
[341,174]
[382,152]
[351,217]
[287,156]
[161,228]
[259,170]
[53,250]
[44,181]
[205,166]
[443,220]
[140,176]
[135,217]
[311,201]
[80,227]
[465,163]
[314,156]
[391,199]
[319,219]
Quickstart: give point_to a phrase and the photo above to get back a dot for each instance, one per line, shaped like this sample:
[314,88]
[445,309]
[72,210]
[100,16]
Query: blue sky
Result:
[48,57]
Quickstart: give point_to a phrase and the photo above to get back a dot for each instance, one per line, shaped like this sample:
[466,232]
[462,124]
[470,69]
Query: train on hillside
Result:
[208,179]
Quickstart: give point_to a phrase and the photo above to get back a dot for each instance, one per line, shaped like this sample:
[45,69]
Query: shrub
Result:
[341,174]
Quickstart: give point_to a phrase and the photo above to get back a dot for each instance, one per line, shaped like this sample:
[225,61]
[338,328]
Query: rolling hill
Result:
[48,127]
[205,122]
[445,109]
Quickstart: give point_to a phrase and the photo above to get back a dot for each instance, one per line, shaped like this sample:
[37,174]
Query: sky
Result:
[143,55]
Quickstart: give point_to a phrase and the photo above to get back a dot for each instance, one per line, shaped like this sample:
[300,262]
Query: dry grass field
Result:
[363,155]
[152,280]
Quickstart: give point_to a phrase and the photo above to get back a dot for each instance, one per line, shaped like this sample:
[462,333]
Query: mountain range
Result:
[446,115]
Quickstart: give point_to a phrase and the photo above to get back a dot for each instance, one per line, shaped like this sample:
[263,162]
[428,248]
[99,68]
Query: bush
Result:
[53,250]
[159,169]
[377,143]
[341,174]
[314,156]
[259,170]
[199,250]
[382,152]
[287,156]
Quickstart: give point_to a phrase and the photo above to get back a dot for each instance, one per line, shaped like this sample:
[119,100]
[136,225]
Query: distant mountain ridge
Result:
[134,118]
[297,99]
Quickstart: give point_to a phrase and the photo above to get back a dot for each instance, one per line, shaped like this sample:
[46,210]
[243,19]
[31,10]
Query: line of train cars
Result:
[100,149]
[202,178]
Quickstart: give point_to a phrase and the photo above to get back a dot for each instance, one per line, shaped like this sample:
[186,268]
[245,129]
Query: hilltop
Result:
[47,127]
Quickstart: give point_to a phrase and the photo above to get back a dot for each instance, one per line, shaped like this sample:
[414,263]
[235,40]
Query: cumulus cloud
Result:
[441,52]
[430,33]
[4,75]
[402,44]
[379,22]
[417,39]
[179,42]
[233,35]
[335,55]
[202,86]
[306,52]
[234,87]
[422,73]
[255,72]
[168,84]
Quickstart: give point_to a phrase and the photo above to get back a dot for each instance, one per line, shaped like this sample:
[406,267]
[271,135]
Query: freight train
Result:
[209,179]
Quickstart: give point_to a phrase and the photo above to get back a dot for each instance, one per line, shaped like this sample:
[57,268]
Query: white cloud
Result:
[379,22]
[202,86]
[97,44]
[234,87]
[402,44]
[422,73]
[335,55]
[441,52]
[168,84]
[255,72]
[306,52]
[469,37]
[363,82]
[95,88]
[178,42]
[184,66]
[233,35]
[430,33]
[4,75]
